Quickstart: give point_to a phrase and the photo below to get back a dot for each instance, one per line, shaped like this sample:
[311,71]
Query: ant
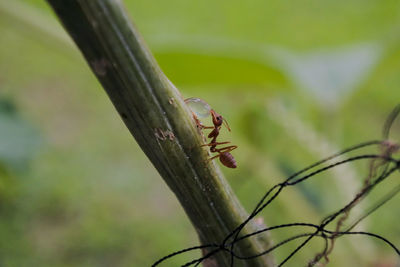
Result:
[224,154]
[225,157]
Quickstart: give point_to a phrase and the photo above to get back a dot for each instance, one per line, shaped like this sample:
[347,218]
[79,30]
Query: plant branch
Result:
[156,115]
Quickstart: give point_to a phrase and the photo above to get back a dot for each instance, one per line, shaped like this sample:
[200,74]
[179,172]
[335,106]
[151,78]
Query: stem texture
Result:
[156,115]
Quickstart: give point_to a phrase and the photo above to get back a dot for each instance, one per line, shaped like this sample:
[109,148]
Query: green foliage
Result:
[19,141]
[91,198]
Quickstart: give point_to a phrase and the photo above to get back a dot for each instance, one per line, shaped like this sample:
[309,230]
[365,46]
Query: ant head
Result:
[218,120]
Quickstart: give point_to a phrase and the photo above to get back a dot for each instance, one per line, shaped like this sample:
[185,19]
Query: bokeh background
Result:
[296,80]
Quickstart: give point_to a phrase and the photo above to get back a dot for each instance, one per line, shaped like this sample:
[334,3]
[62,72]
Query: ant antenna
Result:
[226,124]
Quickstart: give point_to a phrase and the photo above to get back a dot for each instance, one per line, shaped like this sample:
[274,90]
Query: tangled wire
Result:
[381,166]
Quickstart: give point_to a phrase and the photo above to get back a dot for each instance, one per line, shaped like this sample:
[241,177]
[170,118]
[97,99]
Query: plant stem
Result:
[156,115]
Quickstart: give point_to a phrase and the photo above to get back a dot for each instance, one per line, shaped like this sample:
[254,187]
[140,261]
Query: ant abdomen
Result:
[228,160]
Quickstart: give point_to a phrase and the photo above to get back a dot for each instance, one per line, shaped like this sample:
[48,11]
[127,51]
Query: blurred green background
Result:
[296,80]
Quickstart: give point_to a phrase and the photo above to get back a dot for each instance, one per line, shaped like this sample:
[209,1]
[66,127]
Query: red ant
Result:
[224,156]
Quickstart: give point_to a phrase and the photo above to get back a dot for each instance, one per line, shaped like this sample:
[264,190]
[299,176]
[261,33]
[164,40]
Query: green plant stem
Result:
[156,115]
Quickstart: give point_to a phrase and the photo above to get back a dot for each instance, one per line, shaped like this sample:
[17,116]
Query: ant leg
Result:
[226,149]
[210,159]
[216,143]
[199,124]
[219,153]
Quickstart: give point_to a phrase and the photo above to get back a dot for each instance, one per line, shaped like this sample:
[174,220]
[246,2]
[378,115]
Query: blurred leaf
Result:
[19,141]
[330,75]
[200,69]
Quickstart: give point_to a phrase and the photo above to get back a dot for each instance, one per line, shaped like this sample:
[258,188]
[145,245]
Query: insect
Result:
[201,109]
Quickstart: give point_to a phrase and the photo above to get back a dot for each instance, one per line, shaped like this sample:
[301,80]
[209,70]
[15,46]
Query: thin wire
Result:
[182,251]
[310,236]
[258,209]
[371,182]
